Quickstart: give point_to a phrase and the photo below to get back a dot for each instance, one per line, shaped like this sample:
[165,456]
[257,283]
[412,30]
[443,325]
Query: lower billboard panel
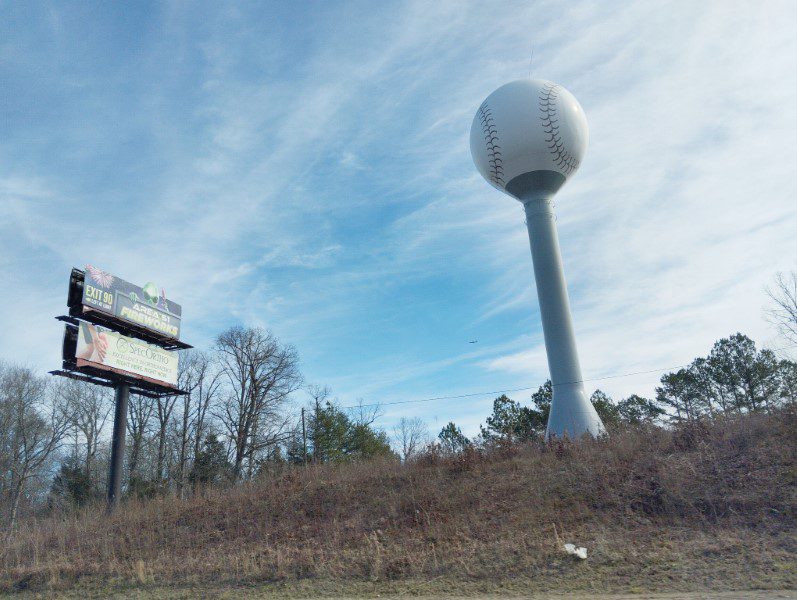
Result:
[106,349]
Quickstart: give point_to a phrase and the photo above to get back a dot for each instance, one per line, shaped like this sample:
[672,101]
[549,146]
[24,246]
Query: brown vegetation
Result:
[708,505]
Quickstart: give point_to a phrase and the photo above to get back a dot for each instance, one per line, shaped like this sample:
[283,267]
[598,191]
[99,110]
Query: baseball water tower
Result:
[527,139]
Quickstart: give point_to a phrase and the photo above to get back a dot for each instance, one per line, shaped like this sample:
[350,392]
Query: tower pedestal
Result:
[572,414]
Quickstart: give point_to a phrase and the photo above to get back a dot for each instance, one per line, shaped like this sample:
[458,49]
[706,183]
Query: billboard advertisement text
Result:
[106,349]
[145,306]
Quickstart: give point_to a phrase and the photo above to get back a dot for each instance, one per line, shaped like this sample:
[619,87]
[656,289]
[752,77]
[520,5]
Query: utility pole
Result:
[118,444]
[315,434]
[304,439]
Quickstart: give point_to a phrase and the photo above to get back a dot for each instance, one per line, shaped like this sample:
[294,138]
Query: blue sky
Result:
[305,167]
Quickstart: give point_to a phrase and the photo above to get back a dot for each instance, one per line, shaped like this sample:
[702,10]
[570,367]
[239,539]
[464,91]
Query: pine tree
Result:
[452,439]
[510,422]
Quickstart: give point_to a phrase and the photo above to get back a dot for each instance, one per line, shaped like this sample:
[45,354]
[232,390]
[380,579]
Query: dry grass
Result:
[704,507]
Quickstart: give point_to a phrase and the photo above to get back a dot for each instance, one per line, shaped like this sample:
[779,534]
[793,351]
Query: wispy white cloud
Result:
[316,179]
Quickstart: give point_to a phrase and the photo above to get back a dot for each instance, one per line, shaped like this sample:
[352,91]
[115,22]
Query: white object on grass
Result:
[579,552]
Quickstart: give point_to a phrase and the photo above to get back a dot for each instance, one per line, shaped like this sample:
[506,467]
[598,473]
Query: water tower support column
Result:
[571,411]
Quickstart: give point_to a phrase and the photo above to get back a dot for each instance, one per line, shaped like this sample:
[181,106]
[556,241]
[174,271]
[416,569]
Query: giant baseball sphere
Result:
[528,137]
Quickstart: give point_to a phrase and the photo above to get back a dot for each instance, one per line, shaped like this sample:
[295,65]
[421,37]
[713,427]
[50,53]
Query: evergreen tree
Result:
[365,442]
[72,485]
[607,410]
[788,381]
[328,430]
[336,438]
[684,392]
[738,377]
[735,377]
[294,448]
[542,399]
[452,439]
[211,466]
[511,422]
[636,410]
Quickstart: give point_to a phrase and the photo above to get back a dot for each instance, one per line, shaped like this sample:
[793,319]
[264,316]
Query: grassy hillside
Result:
[709,506]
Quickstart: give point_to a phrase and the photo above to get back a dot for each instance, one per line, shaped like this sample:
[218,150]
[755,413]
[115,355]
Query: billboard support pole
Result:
[102,306]
[118,444]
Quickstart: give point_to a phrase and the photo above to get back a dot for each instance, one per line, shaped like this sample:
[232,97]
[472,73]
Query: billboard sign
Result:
[145,306]
[105,349]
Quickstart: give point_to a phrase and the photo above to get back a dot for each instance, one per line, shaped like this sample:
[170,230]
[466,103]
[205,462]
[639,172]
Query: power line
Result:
[442,398]
[531,387]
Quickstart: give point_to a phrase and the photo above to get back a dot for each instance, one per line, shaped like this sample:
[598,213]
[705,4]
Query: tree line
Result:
[734,378]
[238,420]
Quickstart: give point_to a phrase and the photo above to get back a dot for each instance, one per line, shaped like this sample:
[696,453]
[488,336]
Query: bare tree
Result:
[199,377]
[164,406]
[138,416]
[86,408]
[262,374]
[30,432]
[411,436]
[208,392]
[186,381]
[784,298]
[365,414]
[319,395]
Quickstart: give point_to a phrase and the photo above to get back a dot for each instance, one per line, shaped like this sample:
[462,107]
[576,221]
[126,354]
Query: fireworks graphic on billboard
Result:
[102,278]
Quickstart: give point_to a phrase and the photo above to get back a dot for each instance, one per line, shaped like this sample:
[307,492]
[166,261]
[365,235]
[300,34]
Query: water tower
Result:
[527,139]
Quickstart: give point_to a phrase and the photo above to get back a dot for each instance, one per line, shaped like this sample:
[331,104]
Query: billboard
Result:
[145,306]
[105,349]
